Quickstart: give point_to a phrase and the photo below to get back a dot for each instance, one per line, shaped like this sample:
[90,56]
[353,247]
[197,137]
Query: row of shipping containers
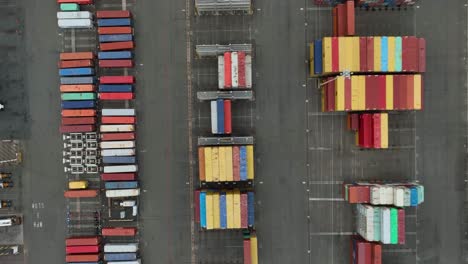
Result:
[343,19]
[368,3]
[221,116]
[230,209]
[372,92]
[250,247]
[371,129]
[381,224]
[83,249]
[235,70]
[395,194]
[74,19]
[226,163]
[365,252]
[332,55]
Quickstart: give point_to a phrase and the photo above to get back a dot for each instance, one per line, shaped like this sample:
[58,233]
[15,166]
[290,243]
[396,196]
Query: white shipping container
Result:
[117,152]
[138,261]
[118,112]
[385,228]
[235,70]
[399,196]
[248,71]
[75,23]
[221,72]
[420,193]
[120,168]
[117,128]
[120,248]
[375,194]
[214,117]
[122,193]
[388,195]
[74,15]
[117,144]
[407,197]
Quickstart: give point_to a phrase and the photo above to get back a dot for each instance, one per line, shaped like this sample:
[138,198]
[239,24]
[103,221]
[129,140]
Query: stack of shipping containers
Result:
[83,249]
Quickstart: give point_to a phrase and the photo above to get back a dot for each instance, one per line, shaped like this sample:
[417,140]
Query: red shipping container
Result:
[227,70]
[331,96]
[364,250]
[75,64]
[196,205]
[115,96]
[114,30]
[401,227]
[244,213]
[77,129]
[369,91]
[410,92]
[81,194]
[382,92]
[118,176]
[113,14]
[83,258]
[241,67]
[125,45]
[361,131]
[350,18]
[377,124]
[335,55]
[347,87]
[370,54]
[118,120]
[363,54]
[76,55]
[247,252]
[364,194]
[117,136]
[355,122]
[422,55]
[119,231]
[367,130]
[227,117]
[83,241]
[341,19]
[117,79]
[396,92]
[116,63]
[376,253]
[335,21]
[66,121]
[81,249]
[410,54]
[236,163]
[403,91]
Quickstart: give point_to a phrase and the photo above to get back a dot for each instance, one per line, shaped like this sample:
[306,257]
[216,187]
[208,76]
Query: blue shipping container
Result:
[76,71]
[115,88]
[77,80]
[119,159]
[222,210]
[318,59]
[119,256]
[115,38]
[243,163]
[220,111]
[78,104]
[384,53]
[203,209]
[99,262]
[414,196]
[121,185]
[109,55]
[250,208]
[114,22]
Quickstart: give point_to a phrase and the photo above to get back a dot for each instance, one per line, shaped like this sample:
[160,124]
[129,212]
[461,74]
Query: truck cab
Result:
[5,204]
[10,221]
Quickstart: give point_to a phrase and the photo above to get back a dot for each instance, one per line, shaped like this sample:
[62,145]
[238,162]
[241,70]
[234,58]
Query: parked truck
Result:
[6,221]
[5,204]
[6,184]
[5,175]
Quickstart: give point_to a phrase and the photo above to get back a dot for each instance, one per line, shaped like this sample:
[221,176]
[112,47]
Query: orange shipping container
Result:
[75,63]
[76,56]
[114,30]
[77,88]
[78,113]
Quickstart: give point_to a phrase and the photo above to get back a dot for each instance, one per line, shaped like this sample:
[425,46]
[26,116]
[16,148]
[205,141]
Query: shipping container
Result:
[113,55]
[117,136]
[78,113]
[118,120]
[116,80]
[113,14]
[196,206]
[66,121]
[82,241]
[116,96]
[77,185]
[125,45]
[76,56]
[254,249]
[120,169]
[80,2]
[81,193]
[117,144]
[227,70]
[118,160]
[82,258]
[116,63]
[121,247]
[247,252]
[75,23]
[77,88]
[220,113]
[241,69]
[76,72]
[234,70]
[116,88]
[118,152]
[75,64]
[78,96]
[114,22]
[221,72]
[77,129]
[122,193]
[138,261]
[115,37]
[118,231]
[81,249]
[69,7]
[120,256]
[248,71]
[77,80]
[114,30]
[116,128]
[74,15]
[118,112]
[118,176]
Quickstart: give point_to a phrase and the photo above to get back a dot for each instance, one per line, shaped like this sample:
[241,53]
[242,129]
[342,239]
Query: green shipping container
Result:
[69,7]
[78,96]
[393,226]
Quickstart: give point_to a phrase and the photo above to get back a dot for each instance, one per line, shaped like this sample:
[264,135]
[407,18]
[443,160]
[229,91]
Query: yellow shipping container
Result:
[222,164]
[341,53]
[208,164]
[417,92]
[229,172]
[311,59]
[339,99]
[322,92]
[327,55]
[384,130]
[377,54]
[77,185]
[230,209]
[362,92]
[391,54]
[209,211]
[215,163]
[389,92]
[254,249]
[356,55]
[237,209]
[348,53]
[250,162]
[216,216]
[354,93]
